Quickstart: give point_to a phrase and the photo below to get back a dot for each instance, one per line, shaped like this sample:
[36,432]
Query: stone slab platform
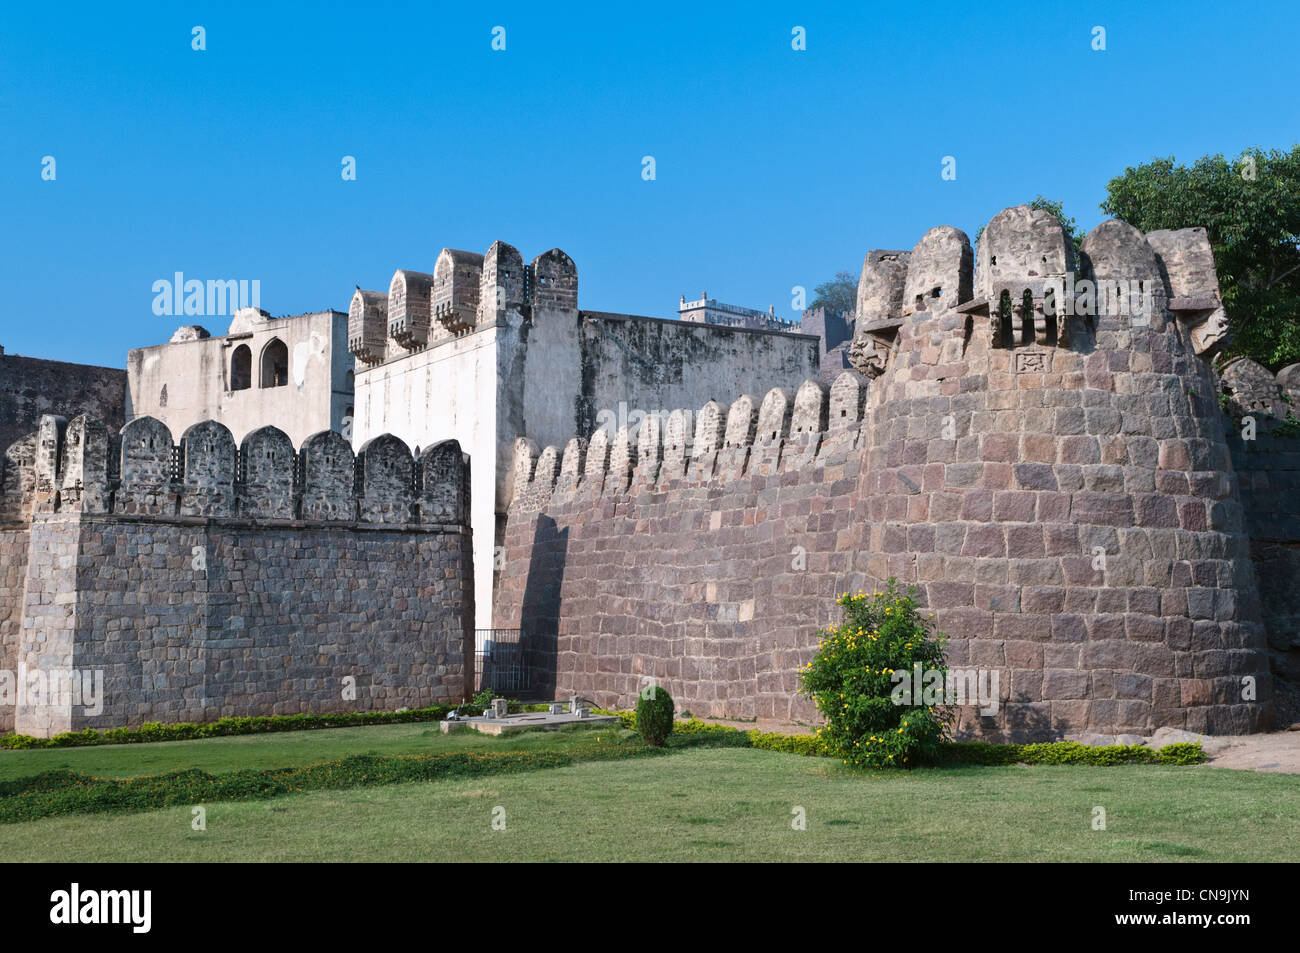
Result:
[532,719]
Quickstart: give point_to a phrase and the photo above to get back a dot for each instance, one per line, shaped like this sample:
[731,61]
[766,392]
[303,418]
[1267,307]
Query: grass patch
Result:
[719,804]
[69,792]
[276,750]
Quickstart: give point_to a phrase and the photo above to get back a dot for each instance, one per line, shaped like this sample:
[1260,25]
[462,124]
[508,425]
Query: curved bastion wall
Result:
[1033,441]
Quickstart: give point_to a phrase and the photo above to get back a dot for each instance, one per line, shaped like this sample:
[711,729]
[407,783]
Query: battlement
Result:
[1024,289]
[465,292]
[785,432]
[1249,388]
[79,467]
[1039,450]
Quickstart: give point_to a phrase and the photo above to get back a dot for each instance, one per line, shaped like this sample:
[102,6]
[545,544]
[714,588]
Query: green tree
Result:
[1250,209]
[838,294]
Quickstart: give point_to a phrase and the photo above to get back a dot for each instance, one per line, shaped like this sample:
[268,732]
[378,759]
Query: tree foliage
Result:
[838,294]
[1250,208]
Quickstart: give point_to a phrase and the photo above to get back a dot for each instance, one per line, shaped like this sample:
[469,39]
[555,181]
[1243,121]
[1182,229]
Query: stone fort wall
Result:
[489,347]
[31,387]
[1266,457]
[1058,487]
[206,580]
[704,571]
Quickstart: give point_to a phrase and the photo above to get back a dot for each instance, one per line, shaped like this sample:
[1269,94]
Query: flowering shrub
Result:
[852,681]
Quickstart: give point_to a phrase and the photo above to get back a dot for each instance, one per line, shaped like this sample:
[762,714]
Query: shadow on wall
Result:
[540,616]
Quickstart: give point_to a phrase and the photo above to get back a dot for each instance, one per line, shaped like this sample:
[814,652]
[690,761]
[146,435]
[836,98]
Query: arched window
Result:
[275,364]
[241,368]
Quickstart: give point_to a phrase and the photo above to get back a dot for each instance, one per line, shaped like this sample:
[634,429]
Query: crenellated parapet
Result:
[457,277]
[463,293]
[78,467]
[368,325]
[1248,388]
[409,307]
[788,431]
[1024,289]
[553,282]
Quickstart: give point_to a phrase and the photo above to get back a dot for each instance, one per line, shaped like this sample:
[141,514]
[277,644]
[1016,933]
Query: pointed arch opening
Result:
[275,364]
[241,368]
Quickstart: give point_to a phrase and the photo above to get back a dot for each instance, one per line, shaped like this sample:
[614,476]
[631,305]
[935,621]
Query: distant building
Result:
[835,331]
[712,311]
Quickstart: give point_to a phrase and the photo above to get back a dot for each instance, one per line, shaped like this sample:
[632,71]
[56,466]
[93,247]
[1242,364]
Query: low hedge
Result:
[1069,752]
[223,727]
[56,793]
[808,745]
[950,752]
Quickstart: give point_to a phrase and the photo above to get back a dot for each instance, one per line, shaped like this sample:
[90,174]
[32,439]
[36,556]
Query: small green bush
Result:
[807,745]
[654,716]
[1187,752]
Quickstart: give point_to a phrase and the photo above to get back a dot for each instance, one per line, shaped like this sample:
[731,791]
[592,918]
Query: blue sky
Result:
[774,168]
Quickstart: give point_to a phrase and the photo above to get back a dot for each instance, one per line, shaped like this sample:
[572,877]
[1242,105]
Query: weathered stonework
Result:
[506,352]
[1058,487]
[31,387]
[203,583]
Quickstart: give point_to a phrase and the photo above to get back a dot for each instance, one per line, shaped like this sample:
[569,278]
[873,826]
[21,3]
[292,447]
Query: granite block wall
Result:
[31,387]
[1052,475]
[194,581]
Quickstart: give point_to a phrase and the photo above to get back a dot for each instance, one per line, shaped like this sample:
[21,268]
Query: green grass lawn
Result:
[697,804]
[278,750]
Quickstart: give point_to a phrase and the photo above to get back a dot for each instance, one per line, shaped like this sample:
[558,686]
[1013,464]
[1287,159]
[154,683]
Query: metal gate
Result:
[500,661]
